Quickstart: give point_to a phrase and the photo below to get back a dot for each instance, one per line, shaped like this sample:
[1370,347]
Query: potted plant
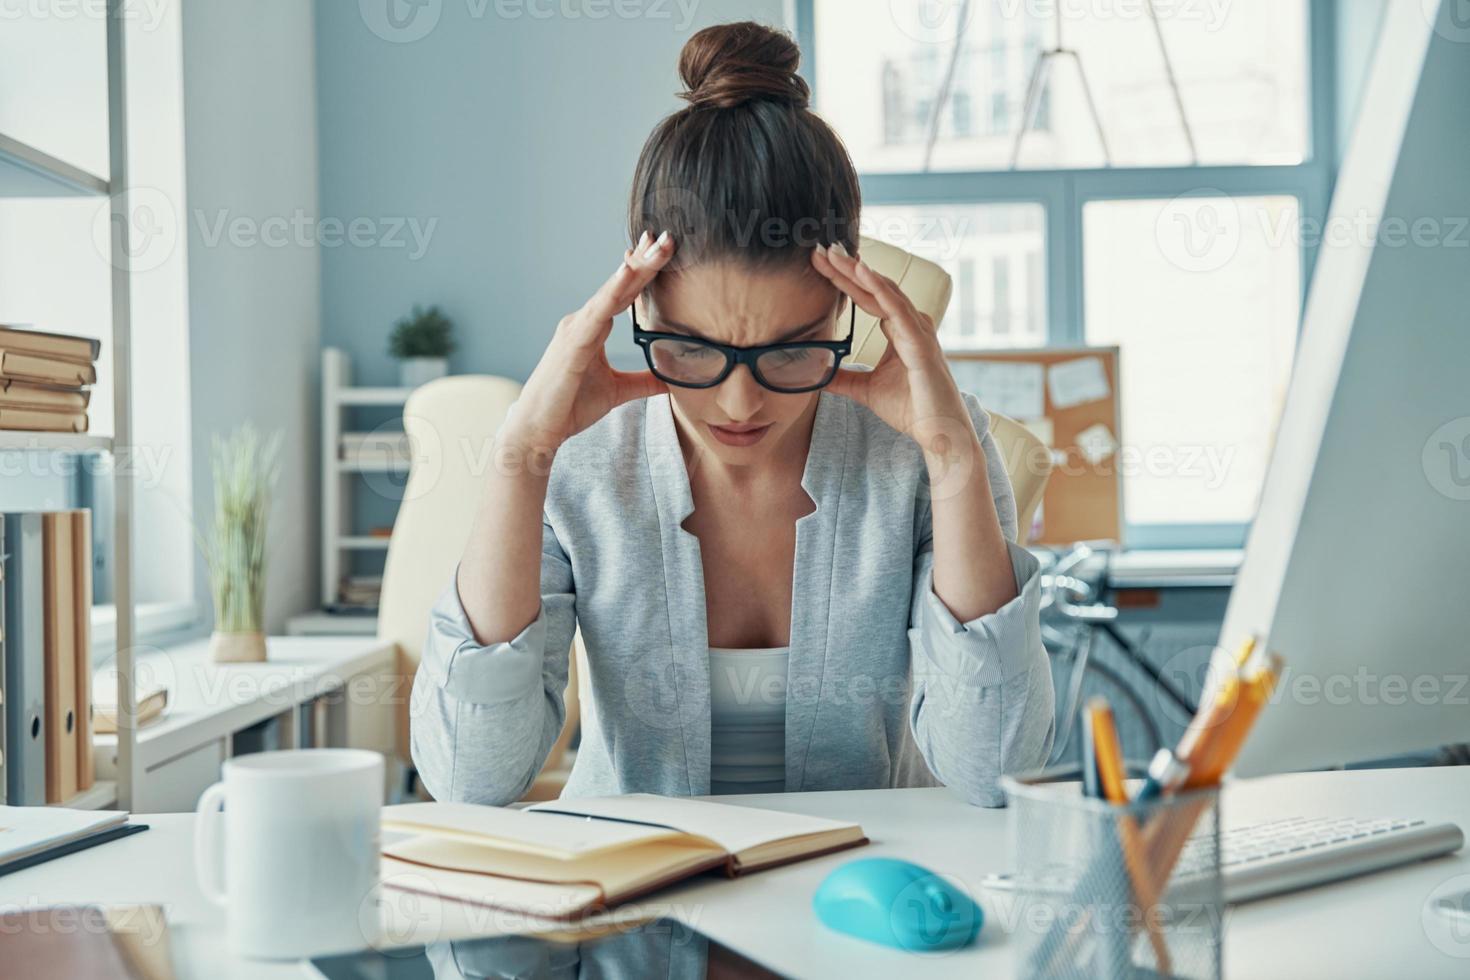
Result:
[422,344]
[245,469]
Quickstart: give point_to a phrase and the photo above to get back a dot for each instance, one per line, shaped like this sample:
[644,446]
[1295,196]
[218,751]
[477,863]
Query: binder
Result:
[82,631]
[24,642]
[60,654]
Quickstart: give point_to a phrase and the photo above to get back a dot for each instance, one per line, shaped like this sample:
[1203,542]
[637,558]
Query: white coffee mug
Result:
[301,837]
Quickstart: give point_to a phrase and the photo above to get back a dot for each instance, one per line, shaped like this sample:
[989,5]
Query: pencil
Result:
[1091,788]
[1112,777]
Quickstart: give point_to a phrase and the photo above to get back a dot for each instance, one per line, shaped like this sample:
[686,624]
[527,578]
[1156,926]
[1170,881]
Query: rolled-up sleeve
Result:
[982,703]
[485,716]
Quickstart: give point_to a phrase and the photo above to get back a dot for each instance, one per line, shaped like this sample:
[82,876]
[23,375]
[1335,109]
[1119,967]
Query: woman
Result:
[777,587]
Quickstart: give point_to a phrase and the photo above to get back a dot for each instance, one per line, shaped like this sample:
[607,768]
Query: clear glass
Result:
[1089,875]
[1203,296]
[688,362]
[996,255]
[797,367]
[1241,69]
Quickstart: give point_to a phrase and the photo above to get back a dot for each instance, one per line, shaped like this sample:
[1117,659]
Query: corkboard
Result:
[1083,499]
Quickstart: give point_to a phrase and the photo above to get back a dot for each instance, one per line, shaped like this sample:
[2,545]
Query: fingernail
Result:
[820,248]
[641,239]
[652,249]
[837,247]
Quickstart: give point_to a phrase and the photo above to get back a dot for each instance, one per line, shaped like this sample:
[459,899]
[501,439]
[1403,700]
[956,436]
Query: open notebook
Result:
[564,857]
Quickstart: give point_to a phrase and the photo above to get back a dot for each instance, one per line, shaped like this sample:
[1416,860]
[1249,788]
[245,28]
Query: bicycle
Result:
[1072,614]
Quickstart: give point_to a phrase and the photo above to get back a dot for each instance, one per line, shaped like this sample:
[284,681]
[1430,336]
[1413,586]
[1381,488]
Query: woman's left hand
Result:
[910,388]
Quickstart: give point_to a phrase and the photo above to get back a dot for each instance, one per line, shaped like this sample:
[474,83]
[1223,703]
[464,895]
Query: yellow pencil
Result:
[1112,778]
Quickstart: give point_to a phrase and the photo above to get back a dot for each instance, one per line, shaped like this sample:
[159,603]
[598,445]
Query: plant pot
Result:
[237,648]
[414,371]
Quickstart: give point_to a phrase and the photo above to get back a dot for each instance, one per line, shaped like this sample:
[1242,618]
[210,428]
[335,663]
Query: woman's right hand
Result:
[573,385]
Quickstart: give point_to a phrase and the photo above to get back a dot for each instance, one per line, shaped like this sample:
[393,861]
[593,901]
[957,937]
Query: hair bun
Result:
[730,64]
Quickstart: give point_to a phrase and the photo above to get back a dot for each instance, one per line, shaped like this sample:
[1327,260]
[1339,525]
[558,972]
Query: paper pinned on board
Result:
[1007,387]
[1096,443]
[1077,381]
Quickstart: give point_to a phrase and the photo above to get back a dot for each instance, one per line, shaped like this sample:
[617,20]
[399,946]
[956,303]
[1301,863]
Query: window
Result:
[1240,71]
[1079,209]
[1204,301]
[991,251]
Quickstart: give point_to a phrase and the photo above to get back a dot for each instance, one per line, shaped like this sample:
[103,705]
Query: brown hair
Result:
[746,171]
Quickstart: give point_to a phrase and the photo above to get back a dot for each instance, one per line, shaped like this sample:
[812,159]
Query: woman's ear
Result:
[843,301]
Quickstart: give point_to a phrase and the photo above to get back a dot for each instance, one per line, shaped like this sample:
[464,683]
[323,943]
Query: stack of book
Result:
[375,450]
[358,593]
[45,656]
[45,379]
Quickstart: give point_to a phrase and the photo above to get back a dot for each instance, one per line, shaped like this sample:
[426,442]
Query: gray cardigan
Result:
[885,687]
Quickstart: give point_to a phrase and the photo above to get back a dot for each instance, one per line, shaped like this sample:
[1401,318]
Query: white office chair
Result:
[928,287]
[450,423]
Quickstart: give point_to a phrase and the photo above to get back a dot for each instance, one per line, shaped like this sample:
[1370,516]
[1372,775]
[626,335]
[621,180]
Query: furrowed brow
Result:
[796,333]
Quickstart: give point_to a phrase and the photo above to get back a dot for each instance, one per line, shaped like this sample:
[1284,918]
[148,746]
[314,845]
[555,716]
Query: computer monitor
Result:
[1357,567]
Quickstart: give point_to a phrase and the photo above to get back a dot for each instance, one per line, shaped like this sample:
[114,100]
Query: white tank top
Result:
[747,700]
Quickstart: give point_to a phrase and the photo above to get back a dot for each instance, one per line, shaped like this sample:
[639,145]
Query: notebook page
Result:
[26,830]
[533,898]
[735,828]
[564,837]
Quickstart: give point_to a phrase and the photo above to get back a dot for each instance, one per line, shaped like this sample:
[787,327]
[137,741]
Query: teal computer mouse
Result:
[898,904]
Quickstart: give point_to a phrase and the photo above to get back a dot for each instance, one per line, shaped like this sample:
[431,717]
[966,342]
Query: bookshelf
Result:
[66,442]
[27,172]
[339,540]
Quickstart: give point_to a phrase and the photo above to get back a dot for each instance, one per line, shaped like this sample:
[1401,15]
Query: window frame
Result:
[1065,193]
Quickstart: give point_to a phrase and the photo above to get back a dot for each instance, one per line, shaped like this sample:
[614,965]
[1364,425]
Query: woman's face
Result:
[738,420]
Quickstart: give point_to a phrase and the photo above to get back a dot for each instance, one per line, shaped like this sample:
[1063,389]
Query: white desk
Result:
[1369,927]
[352,680]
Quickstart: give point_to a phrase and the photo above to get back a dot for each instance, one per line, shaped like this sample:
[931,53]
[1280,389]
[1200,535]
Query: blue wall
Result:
[510,142]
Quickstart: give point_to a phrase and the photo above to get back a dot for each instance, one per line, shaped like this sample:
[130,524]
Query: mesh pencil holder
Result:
[1105,891]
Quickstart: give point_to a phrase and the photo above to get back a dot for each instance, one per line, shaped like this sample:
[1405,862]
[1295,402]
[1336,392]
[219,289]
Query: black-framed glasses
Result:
[790,367]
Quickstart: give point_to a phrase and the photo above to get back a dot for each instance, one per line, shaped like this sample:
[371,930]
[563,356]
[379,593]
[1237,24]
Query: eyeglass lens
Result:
[793,367]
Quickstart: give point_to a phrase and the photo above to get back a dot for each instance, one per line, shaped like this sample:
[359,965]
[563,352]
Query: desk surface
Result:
[207,700]
[1371,926]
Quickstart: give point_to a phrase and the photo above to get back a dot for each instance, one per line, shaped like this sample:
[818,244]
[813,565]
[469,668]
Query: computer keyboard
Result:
[1257,860]
[1264,859]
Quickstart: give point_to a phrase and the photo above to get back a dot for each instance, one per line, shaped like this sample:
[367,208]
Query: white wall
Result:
[254,290]
[508,134]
